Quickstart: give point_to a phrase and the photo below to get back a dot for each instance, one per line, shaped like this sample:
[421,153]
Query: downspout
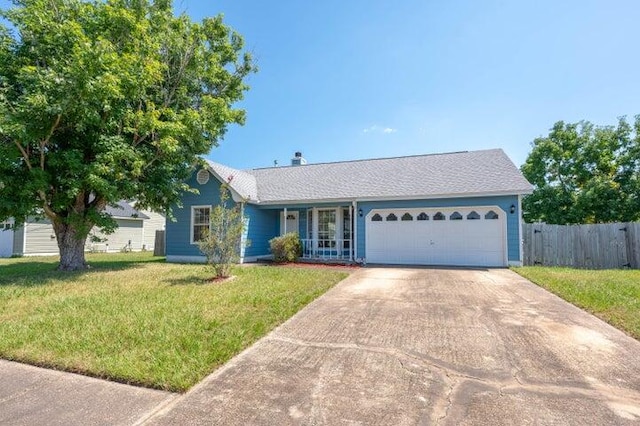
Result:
[243,238]
[520,236]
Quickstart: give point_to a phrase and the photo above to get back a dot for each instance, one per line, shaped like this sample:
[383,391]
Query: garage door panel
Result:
[479,242]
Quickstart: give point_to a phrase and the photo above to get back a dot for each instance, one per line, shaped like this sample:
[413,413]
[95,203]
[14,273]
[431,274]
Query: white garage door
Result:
[466,236]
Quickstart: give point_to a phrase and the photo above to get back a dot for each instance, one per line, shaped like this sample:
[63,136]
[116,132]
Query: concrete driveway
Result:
[395,346]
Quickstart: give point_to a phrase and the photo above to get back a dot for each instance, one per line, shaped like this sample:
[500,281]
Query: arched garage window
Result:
[391,217]
[455,216]
[473,216]
[406,217]
[423,216]
[491,215]
[439,216]
[376,218]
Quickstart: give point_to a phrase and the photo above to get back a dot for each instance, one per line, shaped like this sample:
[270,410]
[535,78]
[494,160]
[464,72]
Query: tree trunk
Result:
[71,245]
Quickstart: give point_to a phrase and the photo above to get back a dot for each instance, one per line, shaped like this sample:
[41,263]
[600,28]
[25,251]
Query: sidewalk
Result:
[37,396]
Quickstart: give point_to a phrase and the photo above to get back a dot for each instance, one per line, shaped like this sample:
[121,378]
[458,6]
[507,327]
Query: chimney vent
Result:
[298,159]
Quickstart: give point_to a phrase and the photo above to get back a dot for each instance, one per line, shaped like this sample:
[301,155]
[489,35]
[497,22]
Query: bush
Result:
[286,248]
[221,244]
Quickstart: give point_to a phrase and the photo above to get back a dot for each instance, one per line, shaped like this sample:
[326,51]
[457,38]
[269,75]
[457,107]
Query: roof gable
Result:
[242,183]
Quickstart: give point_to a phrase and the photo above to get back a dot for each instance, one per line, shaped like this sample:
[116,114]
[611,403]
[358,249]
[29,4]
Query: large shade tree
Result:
[585,174]
[108,100]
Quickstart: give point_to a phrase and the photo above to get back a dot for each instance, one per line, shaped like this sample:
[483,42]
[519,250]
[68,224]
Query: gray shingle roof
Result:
[124,210]
[241,182]
[452,174]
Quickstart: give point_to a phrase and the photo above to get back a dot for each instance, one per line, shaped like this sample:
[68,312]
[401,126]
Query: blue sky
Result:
[343,80]
[351,79]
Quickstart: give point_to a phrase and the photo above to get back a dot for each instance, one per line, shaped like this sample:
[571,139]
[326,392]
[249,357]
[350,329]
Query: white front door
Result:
[6,239]
[290,224]
[466,236]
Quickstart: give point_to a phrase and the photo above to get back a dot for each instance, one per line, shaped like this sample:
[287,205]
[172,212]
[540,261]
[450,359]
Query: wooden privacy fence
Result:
[158,245]
[599,246]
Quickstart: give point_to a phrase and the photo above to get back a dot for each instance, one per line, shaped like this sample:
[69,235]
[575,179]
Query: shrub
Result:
[221,244]
[286,248]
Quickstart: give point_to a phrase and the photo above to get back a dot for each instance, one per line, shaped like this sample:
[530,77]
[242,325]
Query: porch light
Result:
[513,209]
[360,212]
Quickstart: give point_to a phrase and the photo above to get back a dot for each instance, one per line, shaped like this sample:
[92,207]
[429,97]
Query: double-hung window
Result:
[326,228]
[200,222]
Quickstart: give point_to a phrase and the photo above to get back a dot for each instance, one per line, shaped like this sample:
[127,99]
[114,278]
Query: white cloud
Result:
[379,129]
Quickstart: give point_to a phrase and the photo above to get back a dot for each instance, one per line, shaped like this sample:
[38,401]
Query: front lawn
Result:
[136,319]
[612,295]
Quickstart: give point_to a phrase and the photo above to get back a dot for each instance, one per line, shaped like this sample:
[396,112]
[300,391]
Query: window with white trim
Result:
[200,222]
[491,215]
[327,228]
[473,215]
[346,227]
[309,224]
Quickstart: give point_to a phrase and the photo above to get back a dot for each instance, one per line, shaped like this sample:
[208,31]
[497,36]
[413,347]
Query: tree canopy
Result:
[584,173]
[108,100]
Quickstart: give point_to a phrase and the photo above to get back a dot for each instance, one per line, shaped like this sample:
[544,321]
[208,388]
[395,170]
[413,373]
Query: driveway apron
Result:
[405,346]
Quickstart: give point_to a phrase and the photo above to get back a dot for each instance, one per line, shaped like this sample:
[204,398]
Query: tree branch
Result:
[24,153]
[47,210]
[184,61]
[43,197]
[46,140]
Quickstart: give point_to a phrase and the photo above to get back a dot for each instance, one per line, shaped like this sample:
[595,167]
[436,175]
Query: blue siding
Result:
[261,226]
[504,202]
[178,232]
[302,220]
[263,222]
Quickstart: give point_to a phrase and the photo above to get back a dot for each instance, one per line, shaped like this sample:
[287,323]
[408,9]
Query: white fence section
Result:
[326,249]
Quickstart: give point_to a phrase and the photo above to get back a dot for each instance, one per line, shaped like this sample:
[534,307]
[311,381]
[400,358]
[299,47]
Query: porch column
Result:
[352,218]
[339,238]
[285,221]
[314,230]
[354,231]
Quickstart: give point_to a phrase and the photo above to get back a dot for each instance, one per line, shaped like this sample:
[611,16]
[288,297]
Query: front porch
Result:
[327,232]
[324,250]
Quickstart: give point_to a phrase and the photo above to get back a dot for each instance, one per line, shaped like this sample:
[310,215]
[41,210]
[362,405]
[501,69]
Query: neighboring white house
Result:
[6,238]
[136,231]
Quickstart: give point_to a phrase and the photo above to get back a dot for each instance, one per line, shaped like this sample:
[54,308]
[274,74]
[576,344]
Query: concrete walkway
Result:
[387,346]
[426,346]
[37,396]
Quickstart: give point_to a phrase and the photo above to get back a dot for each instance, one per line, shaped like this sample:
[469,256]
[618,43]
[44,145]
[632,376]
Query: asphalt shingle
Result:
[124,210]
[466,173]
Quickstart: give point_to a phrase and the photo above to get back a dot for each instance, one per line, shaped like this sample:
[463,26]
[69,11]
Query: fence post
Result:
[159,248]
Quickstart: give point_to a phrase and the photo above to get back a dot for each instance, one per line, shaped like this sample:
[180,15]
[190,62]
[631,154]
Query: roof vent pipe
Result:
[298,159]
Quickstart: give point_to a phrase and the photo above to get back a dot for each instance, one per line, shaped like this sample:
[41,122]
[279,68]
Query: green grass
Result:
[612,295]
[134,318]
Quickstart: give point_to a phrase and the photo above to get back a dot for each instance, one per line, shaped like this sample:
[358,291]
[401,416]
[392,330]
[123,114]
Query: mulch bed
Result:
[315,265]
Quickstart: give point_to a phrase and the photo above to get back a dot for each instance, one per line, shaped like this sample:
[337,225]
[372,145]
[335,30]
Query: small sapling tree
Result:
[222,243]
